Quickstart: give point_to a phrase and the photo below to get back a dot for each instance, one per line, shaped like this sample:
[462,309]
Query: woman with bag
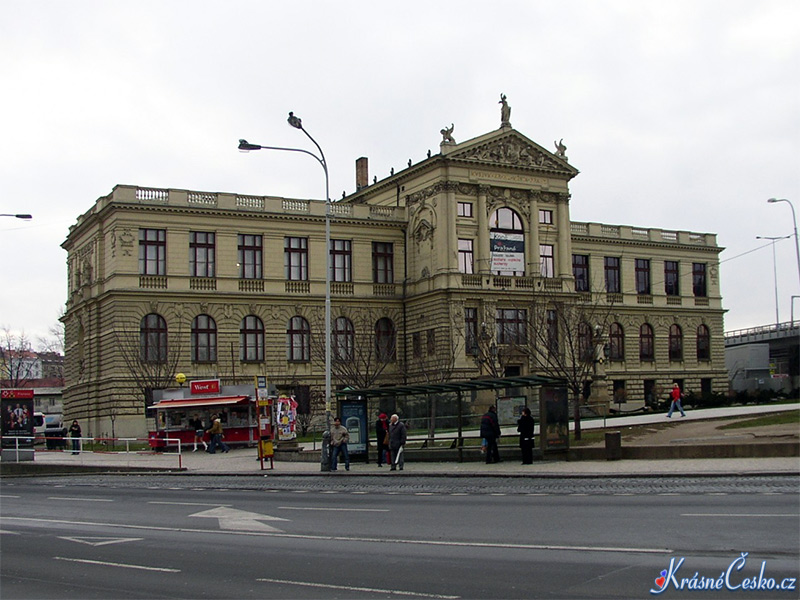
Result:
[397,439]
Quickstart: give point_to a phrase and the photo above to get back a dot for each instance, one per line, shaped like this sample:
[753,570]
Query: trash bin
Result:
[613,445]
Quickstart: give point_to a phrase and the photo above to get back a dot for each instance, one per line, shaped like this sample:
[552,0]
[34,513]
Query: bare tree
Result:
[19,362]
[150,357]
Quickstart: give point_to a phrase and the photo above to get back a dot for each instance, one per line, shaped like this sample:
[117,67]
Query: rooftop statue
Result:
[447,137]
[505,112]
[561,149]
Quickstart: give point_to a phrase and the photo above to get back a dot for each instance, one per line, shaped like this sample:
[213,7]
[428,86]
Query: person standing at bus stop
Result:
[75,434]
[339,438]
[216,437]
[397,440]
[382,438]
[490,430]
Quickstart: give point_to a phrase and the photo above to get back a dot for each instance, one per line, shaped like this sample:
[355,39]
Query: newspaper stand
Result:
[266,419]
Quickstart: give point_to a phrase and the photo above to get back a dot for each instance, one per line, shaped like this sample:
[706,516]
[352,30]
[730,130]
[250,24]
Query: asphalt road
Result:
[323,537]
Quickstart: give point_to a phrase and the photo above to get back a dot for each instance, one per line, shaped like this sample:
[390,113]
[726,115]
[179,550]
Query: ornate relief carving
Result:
[512,151]
[466,189]
[423,231]
[126,240]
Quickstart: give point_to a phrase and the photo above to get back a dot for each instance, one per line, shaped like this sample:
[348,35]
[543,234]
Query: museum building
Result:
[436,273]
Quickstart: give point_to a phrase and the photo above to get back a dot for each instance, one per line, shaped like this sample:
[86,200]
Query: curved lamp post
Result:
[245,146]
[794,220]
[26,217]
[774,239]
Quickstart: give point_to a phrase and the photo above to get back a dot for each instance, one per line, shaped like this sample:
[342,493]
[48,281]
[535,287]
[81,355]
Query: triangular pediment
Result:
[509,148]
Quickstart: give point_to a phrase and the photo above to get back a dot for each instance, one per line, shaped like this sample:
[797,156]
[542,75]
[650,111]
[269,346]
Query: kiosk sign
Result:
[207,386]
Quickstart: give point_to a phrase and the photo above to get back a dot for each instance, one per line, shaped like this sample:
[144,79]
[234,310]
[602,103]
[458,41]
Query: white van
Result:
[38,427]
[54,430]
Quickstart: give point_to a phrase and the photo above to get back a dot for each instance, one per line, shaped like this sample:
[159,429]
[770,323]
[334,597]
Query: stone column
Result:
[483,256]
[564,250]
[533,236]
[447,213]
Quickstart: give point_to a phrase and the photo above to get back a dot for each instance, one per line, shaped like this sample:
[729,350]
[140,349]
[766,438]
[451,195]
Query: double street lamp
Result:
[245,146]
[774,239]
[794,220]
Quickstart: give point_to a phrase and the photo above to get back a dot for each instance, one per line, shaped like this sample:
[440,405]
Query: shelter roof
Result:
[453,386]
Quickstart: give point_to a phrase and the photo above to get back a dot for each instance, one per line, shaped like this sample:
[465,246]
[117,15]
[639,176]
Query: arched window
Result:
[616,342]
[507,238]
[585,350]
[343,339]
[675,342]
[153,339]
[204,339]
[703,343]
[385,340]
[251,339]
[646,342]
[298,340]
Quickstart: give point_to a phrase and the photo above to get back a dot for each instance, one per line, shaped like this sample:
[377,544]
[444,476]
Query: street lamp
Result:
[245,146]
[26,217]
[794,220]
[774,271]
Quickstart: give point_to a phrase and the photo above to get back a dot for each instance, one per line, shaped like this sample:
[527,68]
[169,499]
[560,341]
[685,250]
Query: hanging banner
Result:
[554,410]
[508,251]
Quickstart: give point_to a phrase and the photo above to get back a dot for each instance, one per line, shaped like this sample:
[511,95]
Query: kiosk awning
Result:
[200,402]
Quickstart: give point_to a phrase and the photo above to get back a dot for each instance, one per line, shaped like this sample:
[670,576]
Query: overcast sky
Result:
[683,115]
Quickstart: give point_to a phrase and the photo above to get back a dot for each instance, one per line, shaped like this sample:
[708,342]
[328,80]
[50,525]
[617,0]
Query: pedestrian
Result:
[216,434]
[339,438]
[397,440]
[382,438]
[675,396]
[490,429]
[525,426]
[199,432]
[75,434]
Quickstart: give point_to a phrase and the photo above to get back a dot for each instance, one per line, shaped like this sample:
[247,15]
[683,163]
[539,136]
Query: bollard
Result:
[325,459]
[613,445]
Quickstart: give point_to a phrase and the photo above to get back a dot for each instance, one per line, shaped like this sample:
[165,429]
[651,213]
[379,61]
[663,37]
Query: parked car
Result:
[55,432]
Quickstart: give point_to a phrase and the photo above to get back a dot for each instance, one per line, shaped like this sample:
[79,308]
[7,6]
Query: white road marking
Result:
[341,538]
[240,520]
[99,541]
[80,499]
[351,588]
[188,503]
[7,496]
[112,564]
[739,515]
[3,531]
[334,509]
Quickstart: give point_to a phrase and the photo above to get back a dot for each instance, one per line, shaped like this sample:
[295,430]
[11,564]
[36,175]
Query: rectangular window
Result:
[699,280]
[546,260]
[342,260]
[431,341]
[152,252]
[546,217]
[471,330]
[295,258]
[642,276]
[511,326]
[465,209]
[416,344]
[465,257]
[382,262]
[580,270]
[202,254]
[250,256]
[671,278]
[613,281]
[552,332]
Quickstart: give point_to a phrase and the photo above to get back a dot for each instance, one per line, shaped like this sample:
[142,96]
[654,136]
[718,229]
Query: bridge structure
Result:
[766,357]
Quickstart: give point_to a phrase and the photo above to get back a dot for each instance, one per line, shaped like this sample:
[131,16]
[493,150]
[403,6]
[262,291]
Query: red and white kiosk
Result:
[234,405]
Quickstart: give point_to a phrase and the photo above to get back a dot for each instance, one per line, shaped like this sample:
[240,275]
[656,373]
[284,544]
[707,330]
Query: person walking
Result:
[199,432]
[490,429]
[75,434]
[216,434]
[525,425]
[397,440]
[675,395]
[382,438]
[339,438]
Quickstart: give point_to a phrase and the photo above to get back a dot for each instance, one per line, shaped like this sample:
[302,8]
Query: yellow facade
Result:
[424,213]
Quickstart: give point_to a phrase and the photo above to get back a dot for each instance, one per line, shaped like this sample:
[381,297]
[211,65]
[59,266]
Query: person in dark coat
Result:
[75,434]
[490,430]
[397,440]
[381,433]
[525,426]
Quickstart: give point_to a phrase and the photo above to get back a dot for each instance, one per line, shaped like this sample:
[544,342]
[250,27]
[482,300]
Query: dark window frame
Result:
[204,339]
[250,253]
[153,339]
[613,274]
[675,342]
[295,258]
[251,339]
[672,278]
[646,343]
[298,340]
[152,251]
[642,269]
[202,253]
[382,262]
[580,271]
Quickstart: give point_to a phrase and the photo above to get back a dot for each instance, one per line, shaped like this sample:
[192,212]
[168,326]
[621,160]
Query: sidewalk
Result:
[697,428]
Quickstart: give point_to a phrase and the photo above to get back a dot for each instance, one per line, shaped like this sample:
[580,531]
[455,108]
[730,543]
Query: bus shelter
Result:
[553,412]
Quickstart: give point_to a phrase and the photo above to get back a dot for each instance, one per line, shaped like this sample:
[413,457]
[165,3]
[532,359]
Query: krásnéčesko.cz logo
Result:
[727,579]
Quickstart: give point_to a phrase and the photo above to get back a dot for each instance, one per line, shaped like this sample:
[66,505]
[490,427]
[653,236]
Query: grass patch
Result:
[791,417]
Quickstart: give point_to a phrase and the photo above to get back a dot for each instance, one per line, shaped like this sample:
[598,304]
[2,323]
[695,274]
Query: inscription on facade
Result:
[507,178]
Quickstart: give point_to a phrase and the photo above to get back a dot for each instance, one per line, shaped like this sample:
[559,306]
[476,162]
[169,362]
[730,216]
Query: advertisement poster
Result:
[17,411]
[354,418]
[509,409]
[287,418]
[555,416]
[508,252]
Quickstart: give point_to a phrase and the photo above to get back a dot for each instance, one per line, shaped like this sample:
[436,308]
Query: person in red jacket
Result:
[676,396]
